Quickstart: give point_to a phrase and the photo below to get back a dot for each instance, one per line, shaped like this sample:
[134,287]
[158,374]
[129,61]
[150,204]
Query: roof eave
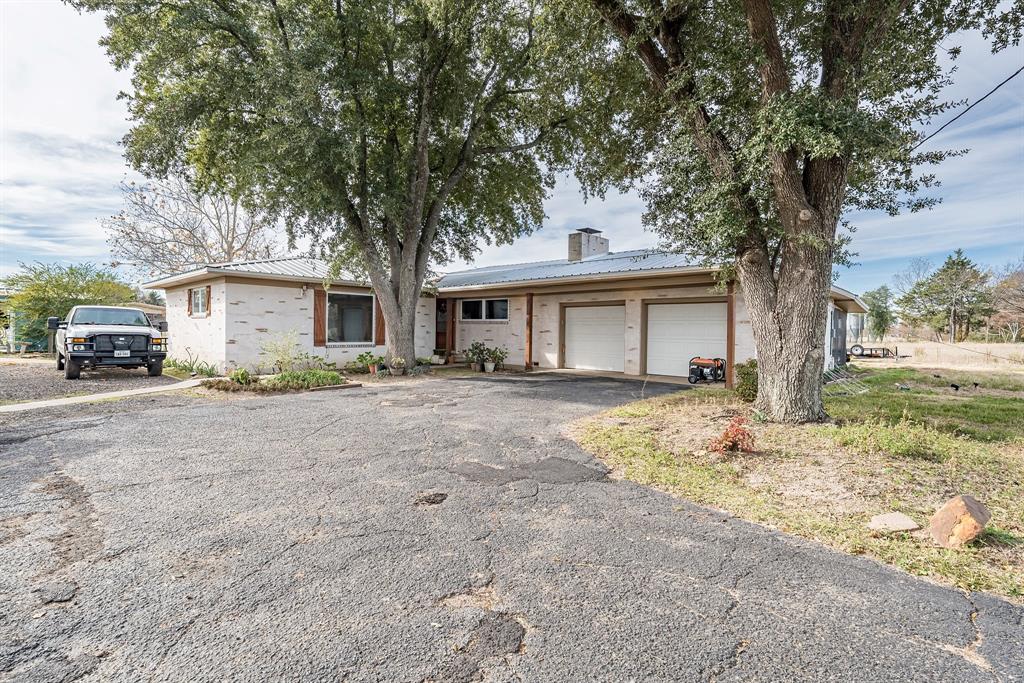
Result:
[616,275]
[208,273]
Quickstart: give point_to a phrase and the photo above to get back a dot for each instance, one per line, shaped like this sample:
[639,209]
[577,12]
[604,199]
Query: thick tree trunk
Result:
[400,319]
[788,315]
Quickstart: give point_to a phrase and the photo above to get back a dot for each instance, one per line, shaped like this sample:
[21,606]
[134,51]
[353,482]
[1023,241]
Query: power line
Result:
[972,106]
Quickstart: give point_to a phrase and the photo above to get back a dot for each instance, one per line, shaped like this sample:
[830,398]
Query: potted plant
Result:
[369,361]
[497,356]
[477,354]
[397,366]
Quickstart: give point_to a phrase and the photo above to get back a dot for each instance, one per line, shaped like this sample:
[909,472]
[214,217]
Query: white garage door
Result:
[678,332]
[595,338]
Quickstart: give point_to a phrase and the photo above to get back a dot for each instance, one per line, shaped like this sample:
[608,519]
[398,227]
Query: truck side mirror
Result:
[52,323]
[162,325]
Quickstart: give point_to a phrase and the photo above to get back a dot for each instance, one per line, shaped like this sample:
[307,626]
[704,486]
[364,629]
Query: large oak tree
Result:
[757,123]
[394,133]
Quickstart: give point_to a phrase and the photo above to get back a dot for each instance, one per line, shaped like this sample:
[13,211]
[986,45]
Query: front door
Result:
[441,324]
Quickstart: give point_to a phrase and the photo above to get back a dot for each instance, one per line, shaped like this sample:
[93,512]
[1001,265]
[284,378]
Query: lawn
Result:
[907,450]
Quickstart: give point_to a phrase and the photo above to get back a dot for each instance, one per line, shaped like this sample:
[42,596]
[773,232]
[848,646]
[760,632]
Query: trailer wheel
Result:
[856,350]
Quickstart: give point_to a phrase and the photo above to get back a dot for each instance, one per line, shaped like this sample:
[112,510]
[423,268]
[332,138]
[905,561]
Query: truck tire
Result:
[156,369]
[60,361]
[71,369]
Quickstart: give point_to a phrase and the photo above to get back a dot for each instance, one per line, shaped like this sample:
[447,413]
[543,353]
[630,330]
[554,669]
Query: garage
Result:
[677,332]
[595,338]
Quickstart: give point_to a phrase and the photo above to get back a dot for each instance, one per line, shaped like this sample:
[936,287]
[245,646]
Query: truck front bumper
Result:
[107,358]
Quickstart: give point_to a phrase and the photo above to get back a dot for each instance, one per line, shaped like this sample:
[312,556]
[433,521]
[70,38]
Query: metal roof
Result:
[640,260]
[300,268]
[645,261]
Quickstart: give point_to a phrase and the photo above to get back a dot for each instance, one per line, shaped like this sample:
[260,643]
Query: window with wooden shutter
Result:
[319,317]
[379,336]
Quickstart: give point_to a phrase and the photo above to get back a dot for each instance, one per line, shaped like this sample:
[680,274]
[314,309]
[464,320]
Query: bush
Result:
[303,379]
[292,380]
[746,380]
[477,352]
[735,438]
[281,351]
[354,367]
[241,376]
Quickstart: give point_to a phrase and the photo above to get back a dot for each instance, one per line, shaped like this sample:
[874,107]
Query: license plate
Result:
[122,354]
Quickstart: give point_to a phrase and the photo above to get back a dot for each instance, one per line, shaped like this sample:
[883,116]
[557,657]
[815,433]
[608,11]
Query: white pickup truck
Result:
[94,336]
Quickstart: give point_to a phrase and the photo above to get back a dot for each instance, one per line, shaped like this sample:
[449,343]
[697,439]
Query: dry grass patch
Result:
[824,482]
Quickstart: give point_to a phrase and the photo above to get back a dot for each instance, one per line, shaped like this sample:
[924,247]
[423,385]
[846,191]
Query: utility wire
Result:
[972,106]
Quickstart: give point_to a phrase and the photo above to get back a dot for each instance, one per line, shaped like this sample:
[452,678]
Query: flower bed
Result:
[292,380]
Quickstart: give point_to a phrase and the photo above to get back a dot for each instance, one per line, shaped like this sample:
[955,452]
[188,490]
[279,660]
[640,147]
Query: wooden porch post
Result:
[529,331]
[450,334]
[730,336]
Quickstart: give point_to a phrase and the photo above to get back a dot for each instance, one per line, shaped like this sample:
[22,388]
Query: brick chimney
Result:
[586,242]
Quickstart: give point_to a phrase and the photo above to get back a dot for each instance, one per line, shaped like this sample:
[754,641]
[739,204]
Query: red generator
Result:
[707,370]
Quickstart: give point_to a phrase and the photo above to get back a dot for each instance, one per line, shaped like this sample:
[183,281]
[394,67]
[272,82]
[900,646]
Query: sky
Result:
[61,165]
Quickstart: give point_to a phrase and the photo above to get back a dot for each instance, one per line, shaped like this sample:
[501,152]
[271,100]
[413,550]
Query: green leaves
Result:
[44,290]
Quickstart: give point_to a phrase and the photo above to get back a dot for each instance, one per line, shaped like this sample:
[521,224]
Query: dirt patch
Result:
[545,471]
[81,536]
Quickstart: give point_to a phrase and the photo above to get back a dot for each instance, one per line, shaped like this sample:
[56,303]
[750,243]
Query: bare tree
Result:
[168,226]
[1008,301]
[919,269]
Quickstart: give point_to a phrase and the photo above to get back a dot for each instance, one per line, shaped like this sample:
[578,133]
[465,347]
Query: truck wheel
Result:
[71,369]
[60,361]
[156,369]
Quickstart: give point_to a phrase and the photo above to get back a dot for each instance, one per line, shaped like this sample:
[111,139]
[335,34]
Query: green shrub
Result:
[303,379]
[241,376]
[477,352]
[354,367]
[746,380]
[292,380]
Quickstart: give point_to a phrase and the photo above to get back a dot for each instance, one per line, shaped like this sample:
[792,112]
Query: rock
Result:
[431,498]
[61,591]
[958,521]
[891,522]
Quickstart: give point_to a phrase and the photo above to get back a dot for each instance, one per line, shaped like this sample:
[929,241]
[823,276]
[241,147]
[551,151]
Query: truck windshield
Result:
[109,316]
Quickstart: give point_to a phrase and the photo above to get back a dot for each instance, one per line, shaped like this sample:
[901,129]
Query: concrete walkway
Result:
[90,398]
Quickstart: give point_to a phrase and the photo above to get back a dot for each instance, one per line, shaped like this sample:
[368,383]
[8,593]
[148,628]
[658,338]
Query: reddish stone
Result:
[958,522]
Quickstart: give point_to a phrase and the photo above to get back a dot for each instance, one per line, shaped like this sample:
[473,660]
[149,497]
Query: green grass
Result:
[888,450]
[968,412]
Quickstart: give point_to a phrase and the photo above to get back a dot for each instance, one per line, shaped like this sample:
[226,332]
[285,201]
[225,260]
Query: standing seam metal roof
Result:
[616,262]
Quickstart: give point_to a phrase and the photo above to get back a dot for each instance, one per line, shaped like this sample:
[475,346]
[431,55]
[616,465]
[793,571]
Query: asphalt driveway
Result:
[435,530]
[36,380]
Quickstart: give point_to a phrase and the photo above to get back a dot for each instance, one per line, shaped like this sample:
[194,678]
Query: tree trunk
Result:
[400,319]
[787,314]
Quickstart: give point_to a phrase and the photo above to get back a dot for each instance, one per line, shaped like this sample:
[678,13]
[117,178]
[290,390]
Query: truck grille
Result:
[113,342]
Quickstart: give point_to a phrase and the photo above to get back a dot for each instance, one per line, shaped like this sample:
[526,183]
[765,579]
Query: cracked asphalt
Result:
[429,530]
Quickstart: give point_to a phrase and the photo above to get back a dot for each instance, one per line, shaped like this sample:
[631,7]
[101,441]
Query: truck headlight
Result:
[157,347]
[78,347]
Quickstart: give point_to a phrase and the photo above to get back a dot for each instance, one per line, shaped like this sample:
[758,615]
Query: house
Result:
[636,312]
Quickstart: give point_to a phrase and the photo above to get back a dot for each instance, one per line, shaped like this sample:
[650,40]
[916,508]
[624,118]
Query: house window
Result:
[200,302]
[349,318]
[485,309]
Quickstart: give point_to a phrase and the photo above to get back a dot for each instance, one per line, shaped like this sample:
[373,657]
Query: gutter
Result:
[208,273]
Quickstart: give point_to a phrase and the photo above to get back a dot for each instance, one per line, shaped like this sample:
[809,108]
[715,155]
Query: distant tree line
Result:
[43,290]
[954,300]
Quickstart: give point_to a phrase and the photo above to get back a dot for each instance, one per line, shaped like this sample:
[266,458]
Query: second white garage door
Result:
[678,332]
[595,338]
